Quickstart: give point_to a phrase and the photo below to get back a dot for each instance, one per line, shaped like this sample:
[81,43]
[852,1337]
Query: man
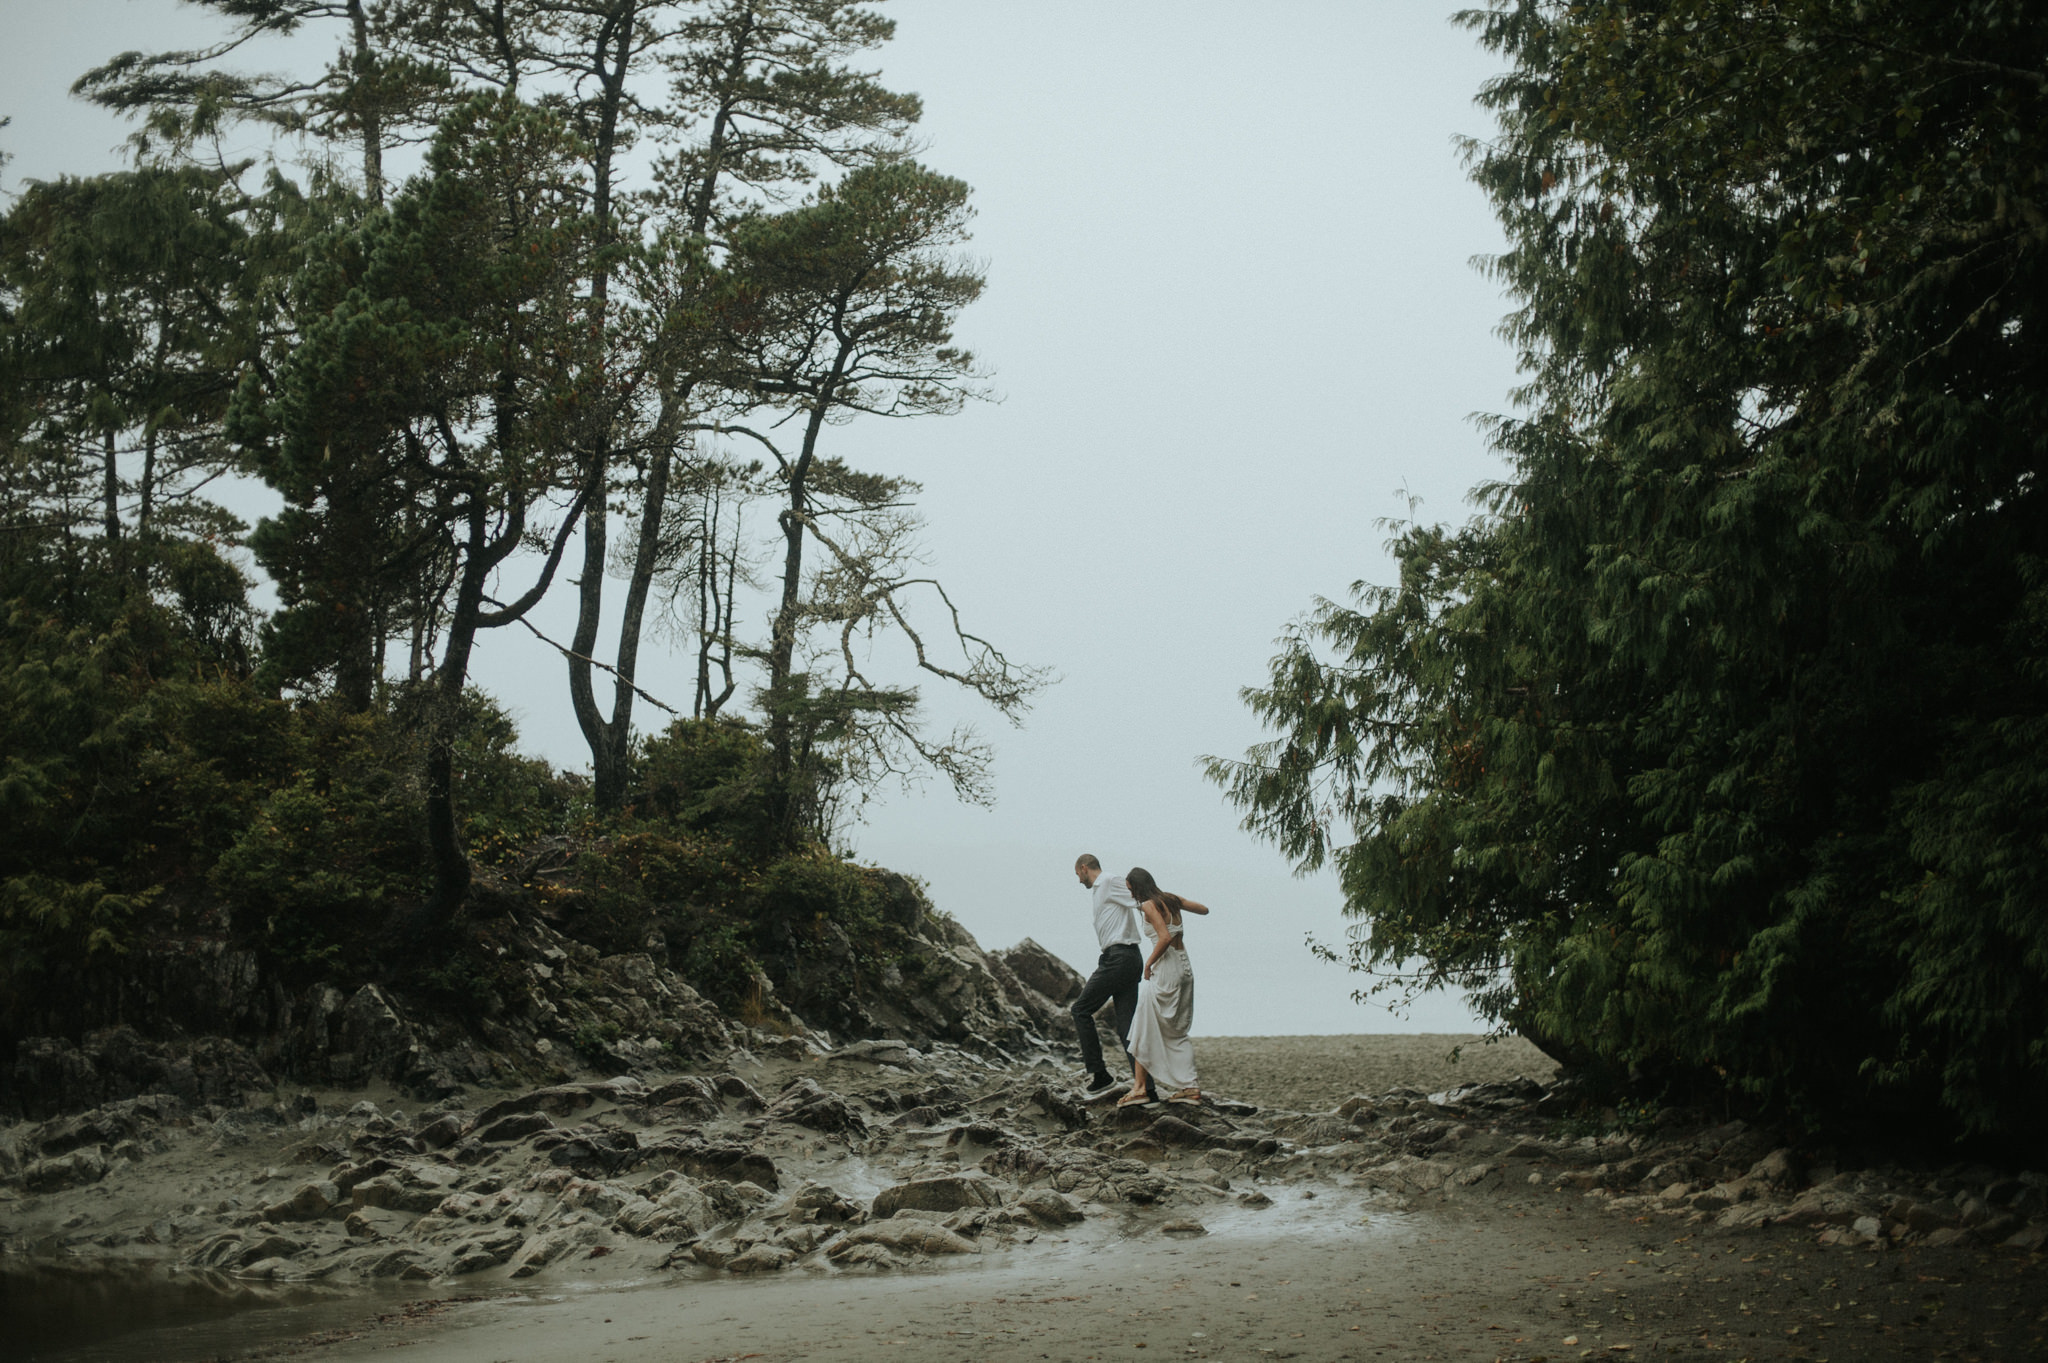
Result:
[1117,972]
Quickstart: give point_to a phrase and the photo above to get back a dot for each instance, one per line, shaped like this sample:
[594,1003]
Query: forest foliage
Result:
[1713,752]
[635,245]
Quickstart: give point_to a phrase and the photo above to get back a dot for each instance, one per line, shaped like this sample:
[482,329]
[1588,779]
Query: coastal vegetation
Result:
[1712,753]
[650,257]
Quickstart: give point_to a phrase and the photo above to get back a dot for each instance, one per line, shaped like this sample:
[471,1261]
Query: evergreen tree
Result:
[846,306]
[1703,753]
[127,320]
[446,375]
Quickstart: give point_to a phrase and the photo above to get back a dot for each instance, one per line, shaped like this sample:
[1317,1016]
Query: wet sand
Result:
[1313,1278]
[1315,1073]
[1525,1273]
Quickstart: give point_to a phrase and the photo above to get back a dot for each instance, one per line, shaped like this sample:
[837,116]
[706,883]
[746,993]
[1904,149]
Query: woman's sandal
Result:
[1192,1097]
[1135,1100]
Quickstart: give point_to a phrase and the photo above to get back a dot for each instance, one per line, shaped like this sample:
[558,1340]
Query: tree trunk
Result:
[110,491]
[368,114]
[609,739]
[444,839]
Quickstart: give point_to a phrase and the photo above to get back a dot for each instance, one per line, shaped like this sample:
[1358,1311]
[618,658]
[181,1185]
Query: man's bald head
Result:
[1087,860]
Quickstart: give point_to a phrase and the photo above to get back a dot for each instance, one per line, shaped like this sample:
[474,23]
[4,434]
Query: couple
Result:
[1155,995]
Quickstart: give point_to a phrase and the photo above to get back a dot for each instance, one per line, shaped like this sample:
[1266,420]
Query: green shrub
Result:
[317,871]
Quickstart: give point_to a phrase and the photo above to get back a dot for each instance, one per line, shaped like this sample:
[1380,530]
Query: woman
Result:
[1160,1049]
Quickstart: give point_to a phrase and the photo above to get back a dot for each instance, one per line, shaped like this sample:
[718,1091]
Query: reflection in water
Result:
[81,1311]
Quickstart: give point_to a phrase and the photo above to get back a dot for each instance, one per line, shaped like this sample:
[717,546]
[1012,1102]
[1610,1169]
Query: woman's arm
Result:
[1162,930]
[1190,906]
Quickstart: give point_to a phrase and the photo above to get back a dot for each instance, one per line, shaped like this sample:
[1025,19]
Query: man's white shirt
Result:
[1116,913]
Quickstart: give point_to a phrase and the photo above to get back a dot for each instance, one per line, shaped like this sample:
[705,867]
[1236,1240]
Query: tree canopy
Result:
[1712,752]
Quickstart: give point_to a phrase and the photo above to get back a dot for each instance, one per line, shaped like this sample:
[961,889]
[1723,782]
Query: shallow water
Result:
[77,1311]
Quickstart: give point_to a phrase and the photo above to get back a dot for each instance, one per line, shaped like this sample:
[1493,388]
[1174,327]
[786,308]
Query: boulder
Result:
[722,1160]
[380,1040]
[1781,1168]
[766,1257]
[1050,1207]
[65,1171]
[945,1193]
[906,1235]
[806,1104]
[541,1250]
[1041,970]
[307,1202]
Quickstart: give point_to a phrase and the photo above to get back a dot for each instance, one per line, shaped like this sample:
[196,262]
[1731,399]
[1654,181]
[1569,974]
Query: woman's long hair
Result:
[1144,887]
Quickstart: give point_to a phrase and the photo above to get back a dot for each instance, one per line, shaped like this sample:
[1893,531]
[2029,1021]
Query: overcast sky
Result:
[1232,313]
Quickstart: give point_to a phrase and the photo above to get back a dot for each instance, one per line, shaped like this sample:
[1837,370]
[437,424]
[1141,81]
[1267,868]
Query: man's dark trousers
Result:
[1116,976]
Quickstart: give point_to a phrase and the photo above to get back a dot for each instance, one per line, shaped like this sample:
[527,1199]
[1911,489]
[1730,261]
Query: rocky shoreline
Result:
[874,1155]
[603,1124]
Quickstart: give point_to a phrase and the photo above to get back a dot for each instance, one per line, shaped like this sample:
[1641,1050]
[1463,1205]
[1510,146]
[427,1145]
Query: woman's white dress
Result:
[1166,1013]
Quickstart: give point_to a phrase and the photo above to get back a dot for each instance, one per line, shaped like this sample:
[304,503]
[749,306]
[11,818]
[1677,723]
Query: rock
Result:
[267,1247]
[945,1193]
[1041,970]
[1405,1171]
[1779,1169]
[1358,1111]
[715,1253]
[591,1151]
[360,1226]
[1824,1206]
[867,1256]
[1735,1143]
[111,1064]
[1254,1198]
[723,1160]
[817,1202]
[905,1235]
[392,1263]
[1924,1218]
[307,1202]
[1172,1131]
[1494,1095]
[1749,1215]
[805,1104]
[1946,1237]
[81,1166]
[1481,1176]
[268,1269]
[541,1250]
[692,1096]
[1996,1228]
[1183,1227]
[381,1041]
[1722,1196]
[445,1130]
[2033,1239]
[762,1258]
[886,1051]
[1050,1207]
[388,1191]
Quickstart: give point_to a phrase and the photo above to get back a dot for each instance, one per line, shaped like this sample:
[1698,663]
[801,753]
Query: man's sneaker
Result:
[1099,1081]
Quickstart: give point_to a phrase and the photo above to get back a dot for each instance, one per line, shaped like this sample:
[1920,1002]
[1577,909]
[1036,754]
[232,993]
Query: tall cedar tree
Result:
[445,375]
[1714,751]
